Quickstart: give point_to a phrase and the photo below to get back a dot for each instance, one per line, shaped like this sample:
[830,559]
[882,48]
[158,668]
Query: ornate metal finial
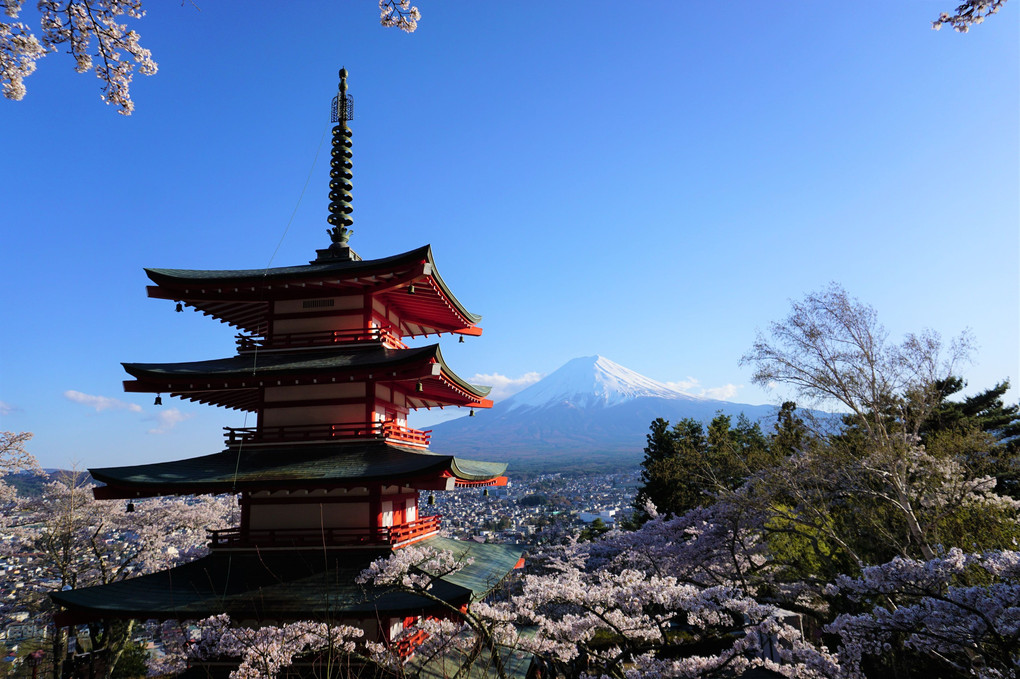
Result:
[340,173]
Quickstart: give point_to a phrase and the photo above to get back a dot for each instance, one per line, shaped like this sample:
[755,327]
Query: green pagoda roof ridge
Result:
[306,272]
[336,357]
[328,266]
[338,361]
[290,466]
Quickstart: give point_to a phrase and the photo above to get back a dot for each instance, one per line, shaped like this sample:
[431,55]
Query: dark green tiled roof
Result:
[325,362]
[281,363]
[178,278]
[297,466]
[339,267]
[286,585]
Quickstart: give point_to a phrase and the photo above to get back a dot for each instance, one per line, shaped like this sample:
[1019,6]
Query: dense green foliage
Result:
[593,531]
[132,662]
[979,429]
[686,465]
[828,507]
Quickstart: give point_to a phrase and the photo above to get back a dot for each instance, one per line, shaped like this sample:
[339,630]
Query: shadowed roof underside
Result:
[234,382]
[242,297]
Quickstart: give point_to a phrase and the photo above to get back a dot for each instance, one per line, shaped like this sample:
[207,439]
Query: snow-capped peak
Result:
[591,381]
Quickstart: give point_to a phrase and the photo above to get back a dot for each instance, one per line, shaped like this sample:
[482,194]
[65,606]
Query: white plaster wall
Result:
[277,417]
[309,516]
[316,391]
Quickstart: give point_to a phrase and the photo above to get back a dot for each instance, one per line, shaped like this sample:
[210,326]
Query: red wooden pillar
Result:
[375,512]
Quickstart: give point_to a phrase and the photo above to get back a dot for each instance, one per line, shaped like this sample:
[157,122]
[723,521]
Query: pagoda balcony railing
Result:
[301,433]
[318,338]
[405,645]
[398,535]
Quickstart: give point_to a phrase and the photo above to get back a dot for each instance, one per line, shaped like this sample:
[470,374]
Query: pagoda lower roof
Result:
[234,381]
[294,467]
[242,297]
[283,586]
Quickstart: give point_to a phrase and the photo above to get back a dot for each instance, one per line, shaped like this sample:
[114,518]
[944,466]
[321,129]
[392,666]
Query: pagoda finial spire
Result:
[340,175]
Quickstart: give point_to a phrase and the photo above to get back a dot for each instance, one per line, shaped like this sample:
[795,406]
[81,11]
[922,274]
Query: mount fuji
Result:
[591,411]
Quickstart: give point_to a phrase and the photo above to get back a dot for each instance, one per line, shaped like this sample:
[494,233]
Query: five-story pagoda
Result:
[328,479]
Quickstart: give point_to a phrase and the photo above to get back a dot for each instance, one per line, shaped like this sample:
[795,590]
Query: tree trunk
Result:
[59,651]
[117,638]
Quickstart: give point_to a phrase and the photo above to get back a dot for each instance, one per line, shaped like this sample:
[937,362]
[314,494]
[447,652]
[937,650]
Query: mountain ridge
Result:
[590,411]
[592,381]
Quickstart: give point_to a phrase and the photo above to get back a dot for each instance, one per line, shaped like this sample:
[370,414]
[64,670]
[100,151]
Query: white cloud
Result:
[503,386]
[101,403]
[6,408]
[692,386]
[686,386]
[167,420]
[723,393]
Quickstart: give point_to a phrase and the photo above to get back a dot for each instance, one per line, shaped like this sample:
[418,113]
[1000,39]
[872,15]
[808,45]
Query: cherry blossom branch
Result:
[970,13]
[399,14]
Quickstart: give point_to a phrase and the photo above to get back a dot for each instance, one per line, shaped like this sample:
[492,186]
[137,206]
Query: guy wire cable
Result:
[255,355]
[265,273]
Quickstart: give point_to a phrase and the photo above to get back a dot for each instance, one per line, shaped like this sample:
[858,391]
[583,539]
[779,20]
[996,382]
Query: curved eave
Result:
[234,382]
[239,297]
[472,319]
[293,467]
[476,471]
[478,391]
[448,388]
[227,278]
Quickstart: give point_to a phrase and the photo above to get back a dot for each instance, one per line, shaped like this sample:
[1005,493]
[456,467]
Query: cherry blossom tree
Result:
[696,595]
[963,610]
[675,598]
[871,484]
[474,632]
[67,539]
[92,31]
[682,596]
[261,652]
[832,350]
[13,458]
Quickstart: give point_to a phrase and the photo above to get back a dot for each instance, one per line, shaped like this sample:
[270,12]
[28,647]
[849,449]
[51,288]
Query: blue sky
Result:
[649,182]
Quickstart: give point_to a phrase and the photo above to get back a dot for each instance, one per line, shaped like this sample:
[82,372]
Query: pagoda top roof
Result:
[346,268]
[293,466]
[286,586]
[241,297]
[233,381]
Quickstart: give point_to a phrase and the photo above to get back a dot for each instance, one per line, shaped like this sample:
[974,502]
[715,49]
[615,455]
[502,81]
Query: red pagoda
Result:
[329,476]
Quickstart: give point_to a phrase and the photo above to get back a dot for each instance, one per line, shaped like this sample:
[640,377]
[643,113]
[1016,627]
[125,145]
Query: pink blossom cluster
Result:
[412,568]
[631,602]
[970,13]
[19,50]
[611,607]
[262,652]
[93,33]
[13,455]
[683,596]
[962,608]
[399,14]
